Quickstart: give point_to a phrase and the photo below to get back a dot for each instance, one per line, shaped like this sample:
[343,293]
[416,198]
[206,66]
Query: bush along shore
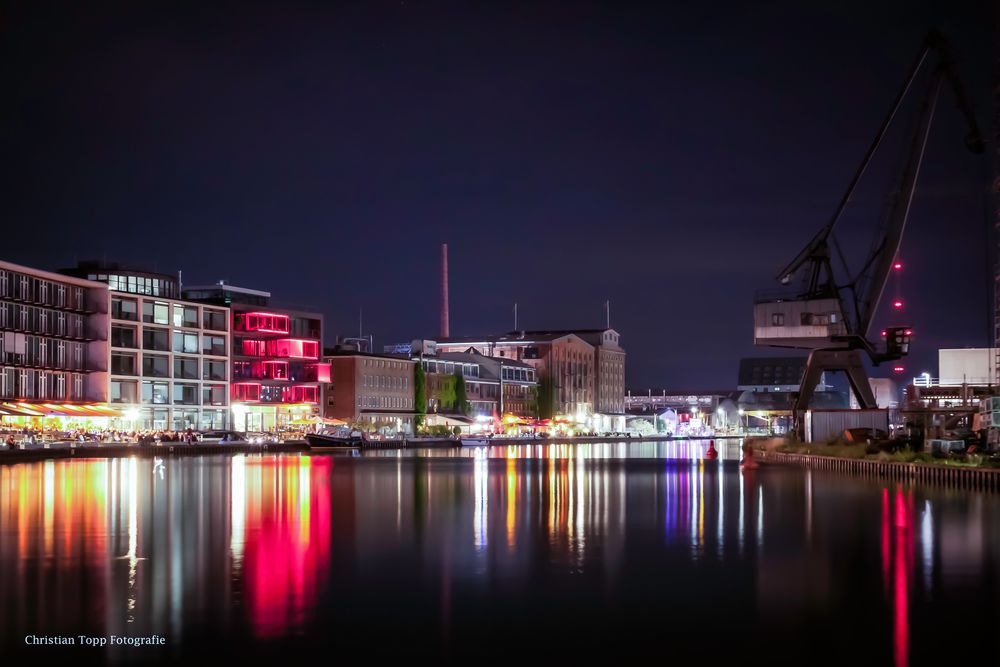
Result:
[882,452]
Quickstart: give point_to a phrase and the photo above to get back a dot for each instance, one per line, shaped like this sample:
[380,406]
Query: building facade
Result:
[167,358]
[53,347]
[277,374]
[582,369]
[370,388]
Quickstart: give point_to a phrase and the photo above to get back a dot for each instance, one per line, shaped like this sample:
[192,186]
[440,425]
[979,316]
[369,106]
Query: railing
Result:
[987,479]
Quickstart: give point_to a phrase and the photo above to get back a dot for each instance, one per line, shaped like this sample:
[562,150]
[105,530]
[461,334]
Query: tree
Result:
[445,393]
[642,426]
[546,392]
[419,394]
[461,398]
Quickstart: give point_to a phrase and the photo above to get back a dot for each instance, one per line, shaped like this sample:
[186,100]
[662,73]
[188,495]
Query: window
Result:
[214,345]
[216,320]
[122,364]
[300,394]
[185,316]
[185,342]
[252,348]
[246,391]
[154,365]
[294,348]
[123,308]
[155,312]
[155,339]
[213,395]
[265,322]
[186,394]
[185,419]
[123,336]
[777,319]
[213,370]
[276,370]
[155,392]
[123,391]
[185,368]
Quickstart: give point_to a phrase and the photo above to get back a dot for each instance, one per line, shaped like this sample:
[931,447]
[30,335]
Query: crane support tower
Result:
[831,314]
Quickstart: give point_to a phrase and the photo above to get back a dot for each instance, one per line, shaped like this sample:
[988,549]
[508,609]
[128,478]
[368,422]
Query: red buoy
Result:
[711,453]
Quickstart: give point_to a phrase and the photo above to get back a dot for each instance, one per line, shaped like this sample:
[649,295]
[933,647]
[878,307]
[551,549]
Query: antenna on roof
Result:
[607,312]
[515,316]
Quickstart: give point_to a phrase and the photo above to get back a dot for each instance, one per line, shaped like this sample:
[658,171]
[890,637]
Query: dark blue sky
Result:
[670,159]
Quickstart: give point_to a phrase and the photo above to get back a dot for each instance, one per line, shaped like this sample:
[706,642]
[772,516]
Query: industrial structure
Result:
[831,311]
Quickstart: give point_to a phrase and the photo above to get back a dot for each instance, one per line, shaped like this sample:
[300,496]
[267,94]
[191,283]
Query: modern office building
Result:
[168,358]
[53,347]
[276,372]
[372,388]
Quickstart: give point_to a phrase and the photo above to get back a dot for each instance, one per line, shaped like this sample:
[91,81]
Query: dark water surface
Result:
[524,554]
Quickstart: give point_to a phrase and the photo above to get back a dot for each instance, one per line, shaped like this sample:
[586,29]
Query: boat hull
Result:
[320,440]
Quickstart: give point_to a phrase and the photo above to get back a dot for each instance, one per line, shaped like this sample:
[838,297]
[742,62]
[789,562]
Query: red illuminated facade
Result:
[277,373]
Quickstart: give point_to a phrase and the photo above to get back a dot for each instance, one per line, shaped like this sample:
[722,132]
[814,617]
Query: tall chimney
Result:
[444,291]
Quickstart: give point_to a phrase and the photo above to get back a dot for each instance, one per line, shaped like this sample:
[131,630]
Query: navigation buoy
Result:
[748,462]
[712,453]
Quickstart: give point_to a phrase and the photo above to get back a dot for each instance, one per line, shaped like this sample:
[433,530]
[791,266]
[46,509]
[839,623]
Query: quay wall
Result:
[984,479]
[117,450]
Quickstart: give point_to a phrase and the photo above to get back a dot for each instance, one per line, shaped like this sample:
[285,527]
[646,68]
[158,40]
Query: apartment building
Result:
[53,343]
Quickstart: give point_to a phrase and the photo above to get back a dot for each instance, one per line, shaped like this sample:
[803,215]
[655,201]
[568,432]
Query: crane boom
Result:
[831,317]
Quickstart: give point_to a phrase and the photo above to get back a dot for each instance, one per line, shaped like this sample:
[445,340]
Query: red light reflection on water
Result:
[897,566]
[287,551]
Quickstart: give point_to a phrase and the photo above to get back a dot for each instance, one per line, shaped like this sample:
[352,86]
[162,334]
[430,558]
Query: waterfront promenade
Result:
[37,452]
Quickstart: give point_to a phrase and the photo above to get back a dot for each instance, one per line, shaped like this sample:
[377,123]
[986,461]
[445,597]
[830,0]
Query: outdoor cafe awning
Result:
[57,410]
[435,419]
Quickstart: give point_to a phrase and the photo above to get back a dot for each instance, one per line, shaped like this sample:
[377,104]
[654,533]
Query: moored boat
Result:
[335,437]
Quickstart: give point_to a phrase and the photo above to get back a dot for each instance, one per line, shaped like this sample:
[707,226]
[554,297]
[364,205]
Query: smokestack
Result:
[444,291]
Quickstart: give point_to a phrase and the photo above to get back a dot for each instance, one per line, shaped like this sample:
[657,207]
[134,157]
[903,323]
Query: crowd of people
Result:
[12,438]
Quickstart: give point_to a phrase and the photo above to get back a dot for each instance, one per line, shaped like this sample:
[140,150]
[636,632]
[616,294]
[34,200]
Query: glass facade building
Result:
[277,374]
[168,358]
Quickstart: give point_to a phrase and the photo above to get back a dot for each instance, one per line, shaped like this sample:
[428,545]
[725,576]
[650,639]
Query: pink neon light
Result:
[265,322]
[296,348]
[246,391]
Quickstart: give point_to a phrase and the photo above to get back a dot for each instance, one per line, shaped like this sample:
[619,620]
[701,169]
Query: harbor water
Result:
[527,553]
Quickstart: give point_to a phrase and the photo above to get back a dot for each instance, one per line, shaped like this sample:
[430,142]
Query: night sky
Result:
[670,160]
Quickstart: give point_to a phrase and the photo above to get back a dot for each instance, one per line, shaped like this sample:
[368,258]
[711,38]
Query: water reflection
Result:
[729,449]
[449,551]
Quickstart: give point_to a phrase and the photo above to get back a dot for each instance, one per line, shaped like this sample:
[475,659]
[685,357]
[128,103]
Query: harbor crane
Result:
[831,313]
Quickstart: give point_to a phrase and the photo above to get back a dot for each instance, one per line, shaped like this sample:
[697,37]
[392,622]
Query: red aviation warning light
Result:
[898,266]
[898,369]
[897,304]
